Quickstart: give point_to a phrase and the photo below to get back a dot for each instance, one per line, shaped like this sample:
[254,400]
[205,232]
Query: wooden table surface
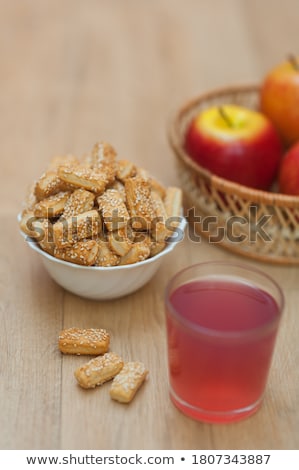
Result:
[73,72]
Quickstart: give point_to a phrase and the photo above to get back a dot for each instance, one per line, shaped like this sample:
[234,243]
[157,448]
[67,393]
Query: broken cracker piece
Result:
[93,341]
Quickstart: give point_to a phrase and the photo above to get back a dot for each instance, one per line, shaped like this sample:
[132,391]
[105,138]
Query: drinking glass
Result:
[222,322]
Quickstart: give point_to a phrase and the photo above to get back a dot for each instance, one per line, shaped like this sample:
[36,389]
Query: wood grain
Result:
[73,72]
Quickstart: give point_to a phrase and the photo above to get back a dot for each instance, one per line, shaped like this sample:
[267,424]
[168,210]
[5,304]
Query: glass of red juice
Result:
[222,322]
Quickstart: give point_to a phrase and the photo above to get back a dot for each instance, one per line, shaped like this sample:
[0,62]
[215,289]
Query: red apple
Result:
[235,143]
[289,172]
[280,99]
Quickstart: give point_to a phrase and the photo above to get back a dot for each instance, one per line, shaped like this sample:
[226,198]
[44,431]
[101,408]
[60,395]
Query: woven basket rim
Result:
[256,195]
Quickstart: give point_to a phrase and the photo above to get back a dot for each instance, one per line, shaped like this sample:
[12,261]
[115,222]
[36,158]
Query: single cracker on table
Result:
[91,341]
[99,370]
[128,381]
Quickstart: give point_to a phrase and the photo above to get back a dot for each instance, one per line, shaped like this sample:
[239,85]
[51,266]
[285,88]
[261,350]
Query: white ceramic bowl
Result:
[102,283]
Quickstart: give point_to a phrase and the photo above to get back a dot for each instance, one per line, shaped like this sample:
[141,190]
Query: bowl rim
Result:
[170,246]
[258,195]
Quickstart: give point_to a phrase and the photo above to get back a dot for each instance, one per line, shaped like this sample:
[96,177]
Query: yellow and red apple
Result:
[289,172]
[236,143]
[280,99]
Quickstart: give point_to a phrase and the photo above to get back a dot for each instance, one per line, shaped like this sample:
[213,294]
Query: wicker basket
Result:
[258,224]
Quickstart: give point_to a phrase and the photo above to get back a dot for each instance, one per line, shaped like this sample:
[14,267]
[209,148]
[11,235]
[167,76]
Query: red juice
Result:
[221,335]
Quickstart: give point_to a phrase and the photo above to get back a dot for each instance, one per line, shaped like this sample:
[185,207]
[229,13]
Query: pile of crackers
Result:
[100,211]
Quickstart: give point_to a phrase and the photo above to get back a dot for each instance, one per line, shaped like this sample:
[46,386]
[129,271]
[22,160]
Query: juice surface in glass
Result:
[221,335]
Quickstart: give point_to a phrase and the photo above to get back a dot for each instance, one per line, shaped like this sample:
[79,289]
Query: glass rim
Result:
[214,332]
